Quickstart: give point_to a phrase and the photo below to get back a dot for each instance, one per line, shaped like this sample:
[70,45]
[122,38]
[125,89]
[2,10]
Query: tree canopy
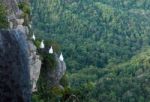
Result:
[105,44]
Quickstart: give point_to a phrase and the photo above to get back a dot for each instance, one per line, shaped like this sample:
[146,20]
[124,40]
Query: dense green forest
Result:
[106,44]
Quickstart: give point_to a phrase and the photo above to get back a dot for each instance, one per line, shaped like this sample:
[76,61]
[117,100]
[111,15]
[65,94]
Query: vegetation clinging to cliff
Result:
[3,18]
[24,6]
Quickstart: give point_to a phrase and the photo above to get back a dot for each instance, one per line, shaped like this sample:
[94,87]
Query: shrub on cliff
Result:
[24,7]
[3,18]
[26,11]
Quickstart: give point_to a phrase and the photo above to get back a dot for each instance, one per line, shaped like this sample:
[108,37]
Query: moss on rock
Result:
[3,18]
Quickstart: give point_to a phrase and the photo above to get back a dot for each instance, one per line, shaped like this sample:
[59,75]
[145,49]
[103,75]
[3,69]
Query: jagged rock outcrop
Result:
[14,67]
[52,76]
[33,59]
[55,75]
[35,65]
[15,20]
[12,5]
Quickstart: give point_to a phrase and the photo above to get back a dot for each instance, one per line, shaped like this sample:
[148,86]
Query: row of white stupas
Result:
[20,22]
[42,46]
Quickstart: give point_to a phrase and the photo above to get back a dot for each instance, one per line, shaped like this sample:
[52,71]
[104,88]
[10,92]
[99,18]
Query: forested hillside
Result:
[92,32]
[106,44]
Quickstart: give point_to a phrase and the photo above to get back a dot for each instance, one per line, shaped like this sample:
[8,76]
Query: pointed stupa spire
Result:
[30,26]
[33,37]
[61,58]
[42,45]
[11,25]
[51,50]
[20,21]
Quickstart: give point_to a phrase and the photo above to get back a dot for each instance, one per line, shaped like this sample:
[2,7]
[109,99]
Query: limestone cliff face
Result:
[14,69]
[14,18]
[12,5]
[54,75]
[33,60]
[34,64]
[50,76]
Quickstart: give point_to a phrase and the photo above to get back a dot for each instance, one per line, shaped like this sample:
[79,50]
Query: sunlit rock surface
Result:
[34,64]
[33,58]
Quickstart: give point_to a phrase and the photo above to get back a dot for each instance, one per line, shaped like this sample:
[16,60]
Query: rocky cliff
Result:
[33,63]
[55,75]
[14,69]
[19,61]
[14,17]
[52,76]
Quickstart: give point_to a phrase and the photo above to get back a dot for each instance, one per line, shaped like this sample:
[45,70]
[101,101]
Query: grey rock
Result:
[11,5]
[14,67]
[34,64]
[33,59]
[54,75]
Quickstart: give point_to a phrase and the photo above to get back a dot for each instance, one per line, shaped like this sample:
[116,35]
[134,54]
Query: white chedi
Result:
[33,37]
[61,58]
[11,25]
[20,21]
[42,45]
[30,26]
[51,50]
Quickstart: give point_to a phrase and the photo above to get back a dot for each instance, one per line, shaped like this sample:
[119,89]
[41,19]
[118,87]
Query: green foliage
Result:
[106,44]
[93,32]
[57,91]
[48,61]
[48,44]
[64,81]
[3,18]
[126,82]
[54,44]
[45,92]
[37,43]
[24,7]
[35,98]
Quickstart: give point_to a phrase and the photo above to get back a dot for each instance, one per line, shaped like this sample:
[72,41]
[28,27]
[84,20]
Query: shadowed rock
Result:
[52,76]
[14,70]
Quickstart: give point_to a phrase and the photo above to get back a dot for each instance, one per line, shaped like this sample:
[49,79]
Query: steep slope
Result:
[126,82]
[14,70]
[106,45]
[92,33]
[20,61]
[15,77]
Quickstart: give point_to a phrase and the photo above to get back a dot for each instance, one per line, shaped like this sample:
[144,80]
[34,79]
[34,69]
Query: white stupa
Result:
[51,50]
[20,21]
[11,25]
[30,26]
[61,58]
[42,45]
[33,37]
